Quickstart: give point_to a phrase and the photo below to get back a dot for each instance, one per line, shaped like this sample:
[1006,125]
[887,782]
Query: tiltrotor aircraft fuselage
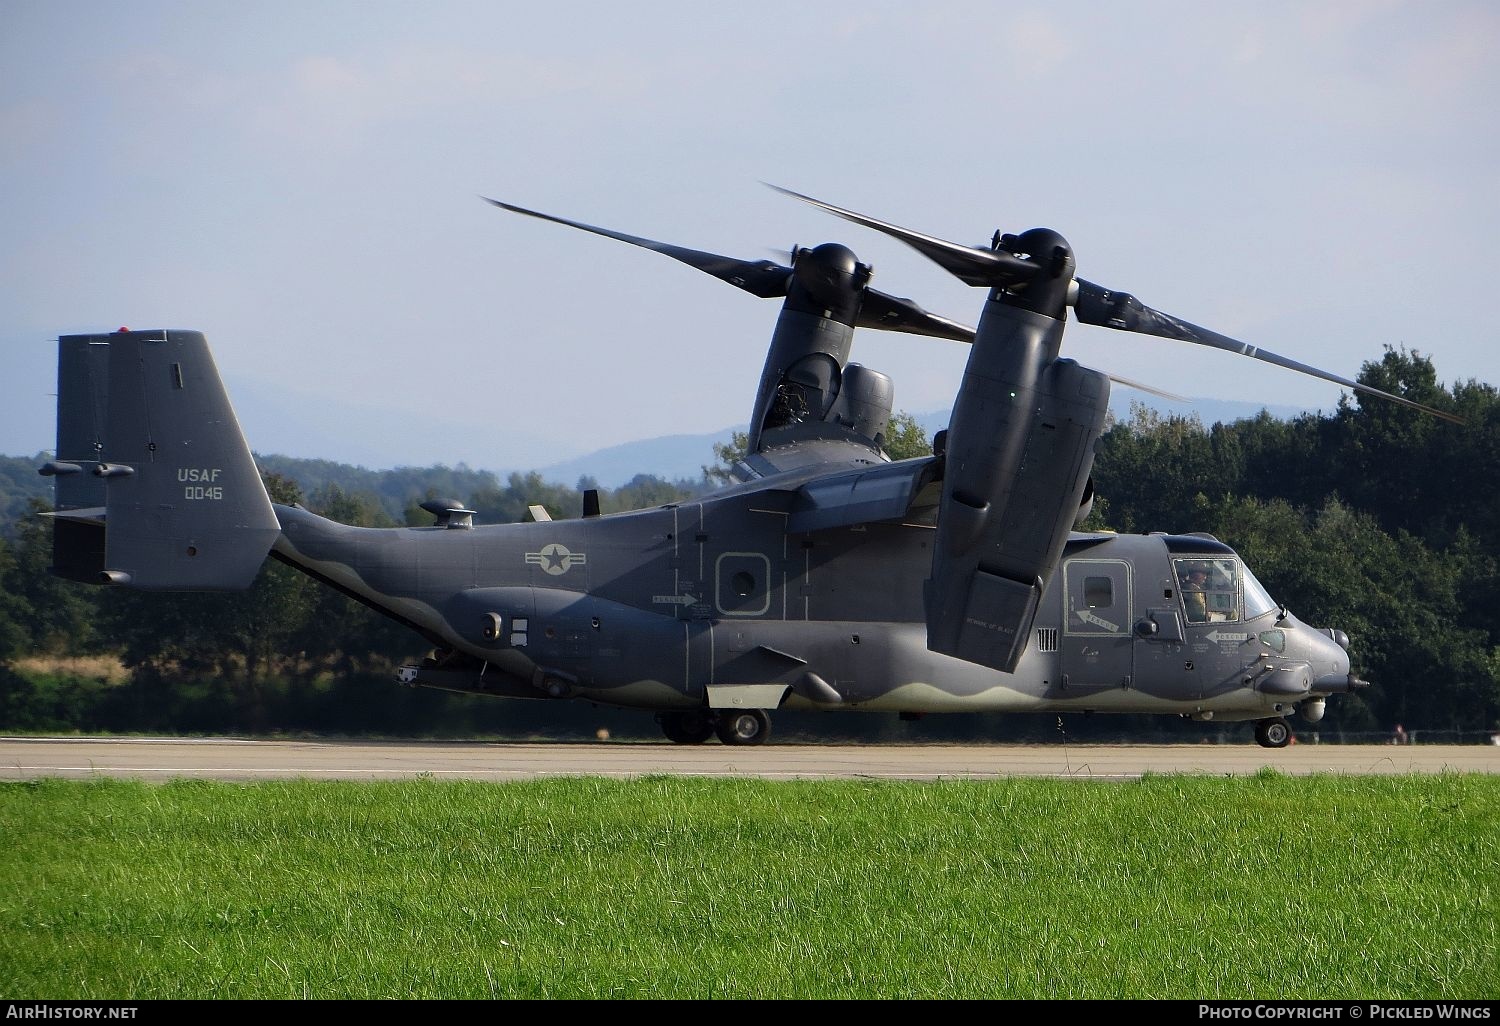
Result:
[827,577]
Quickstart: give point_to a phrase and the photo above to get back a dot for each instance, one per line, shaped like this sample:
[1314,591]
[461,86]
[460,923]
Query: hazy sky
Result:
[300,181]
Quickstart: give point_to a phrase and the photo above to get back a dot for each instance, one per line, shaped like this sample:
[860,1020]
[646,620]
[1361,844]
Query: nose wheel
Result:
[1275,733]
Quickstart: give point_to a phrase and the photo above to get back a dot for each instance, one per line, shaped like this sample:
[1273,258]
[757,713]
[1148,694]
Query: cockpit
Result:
[1219,589]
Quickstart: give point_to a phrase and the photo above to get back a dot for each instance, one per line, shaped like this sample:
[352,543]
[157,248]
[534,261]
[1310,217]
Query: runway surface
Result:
[242,760]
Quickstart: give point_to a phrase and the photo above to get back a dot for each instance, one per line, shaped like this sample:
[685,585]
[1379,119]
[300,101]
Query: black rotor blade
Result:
[1123,312]
[770,280]
[891,313]
[758,277]
[1130,383]
[972,266]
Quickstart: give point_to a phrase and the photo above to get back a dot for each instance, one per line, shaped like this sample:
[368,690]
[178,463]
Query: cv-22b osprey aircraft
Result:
[826,577]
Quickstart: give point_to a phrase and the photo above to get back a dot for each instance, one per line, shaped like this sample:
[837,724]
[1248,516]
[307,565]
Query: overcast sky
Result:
[301,182]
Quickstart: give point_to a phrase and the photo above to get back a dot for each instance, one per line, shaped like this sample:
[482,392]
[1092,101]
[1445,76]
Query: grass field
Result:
[1270,887]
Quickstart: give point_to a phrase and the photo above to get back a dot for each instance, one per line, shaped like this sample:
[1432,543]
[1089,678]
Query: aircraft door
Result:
[1165,666]
[1097,651]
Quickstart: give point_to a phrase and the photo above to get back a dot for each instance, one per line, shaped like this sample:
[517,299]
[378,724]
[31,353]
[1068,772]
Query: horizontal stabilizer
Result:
[92,515]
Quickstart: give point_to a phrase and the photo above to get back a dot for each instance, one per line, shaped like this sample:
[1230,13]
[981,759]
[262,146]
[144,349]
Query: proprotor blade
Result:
[1123,312]
[770,280]
[890,313]
[981,267]
[1130,383]
[761,278]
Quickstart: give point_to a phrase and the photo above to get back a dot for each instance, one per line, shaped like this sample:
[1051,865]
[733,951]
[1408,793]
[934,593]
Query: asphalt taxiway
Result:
[241,760]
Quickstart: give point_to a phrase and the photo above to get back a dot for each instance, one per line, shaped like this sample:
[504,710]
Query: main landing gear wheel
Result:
[1275,733]
[747,727]
[687,728]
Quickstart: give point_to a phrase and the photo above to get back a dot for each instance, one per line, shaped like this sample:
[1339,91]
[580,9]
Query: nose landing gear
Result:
[1273,733]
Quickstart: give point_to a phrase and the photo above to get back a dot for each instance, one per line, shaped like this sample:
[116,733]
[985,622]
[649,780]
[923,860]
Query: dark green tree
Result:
[1391,458]
[56,616]
[643,491]
[905,439]
[15,640]
[727,454]
[511,504]
[1152,468]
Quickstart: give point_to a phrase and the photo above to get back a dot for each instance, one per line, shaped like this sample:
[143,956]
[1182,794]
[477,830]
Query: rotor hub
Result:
[1046,292]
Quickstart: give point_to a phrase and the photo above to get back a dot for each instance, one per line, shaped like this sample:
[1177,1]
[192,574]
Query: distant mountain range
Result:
[678,457]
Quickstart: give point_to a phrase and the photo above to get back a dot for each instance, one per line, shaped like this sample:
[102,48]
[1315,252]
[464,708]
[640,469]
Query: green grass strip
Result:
[1268,887]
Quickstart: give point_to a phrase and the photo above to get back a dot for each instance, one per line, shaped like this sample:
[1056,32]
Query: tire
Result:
[687,728]
[1275,733]
[745,727]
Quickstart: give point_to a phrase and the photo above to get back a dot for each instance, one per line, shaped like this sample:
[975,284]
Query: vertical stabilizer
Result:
[183,504]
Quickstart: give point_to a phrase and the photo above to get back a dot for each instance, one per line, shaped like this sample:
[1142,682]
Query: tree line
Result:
[1376,519]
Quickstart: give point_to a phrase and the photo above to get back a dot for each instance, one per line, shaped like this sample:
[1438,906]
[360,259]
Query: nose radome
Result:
[1332,664]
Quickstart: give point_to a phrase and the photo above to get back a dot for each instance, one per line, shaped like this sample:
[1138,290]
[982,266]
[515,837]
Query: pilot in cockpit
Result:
[1194,584]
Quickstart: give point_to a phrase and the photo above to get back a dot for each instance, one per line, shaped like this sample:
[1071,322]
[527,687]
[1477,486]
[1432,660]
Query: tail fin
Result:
[82,395]
[149,446]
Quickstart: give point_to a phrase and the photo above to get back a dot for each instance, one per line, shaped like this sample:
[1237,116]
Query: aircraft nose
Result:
[1333,660]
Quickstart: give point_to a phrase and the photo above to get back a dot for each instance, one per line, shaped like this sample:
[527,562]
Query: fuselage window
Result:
[1098,592]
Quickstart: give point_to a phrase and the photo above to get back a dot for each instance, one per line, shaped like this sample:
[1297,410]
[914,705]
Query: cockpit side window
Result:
[1210,588]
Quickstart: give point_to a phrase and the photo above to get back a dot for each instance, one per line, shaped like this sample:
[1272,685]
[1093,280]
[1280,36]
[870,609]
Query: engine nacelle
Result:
[1020,448]
[864,403]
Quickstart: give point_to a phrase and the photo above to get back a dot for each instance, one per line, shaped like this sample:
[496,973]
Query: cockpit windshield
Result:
[1258,601]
